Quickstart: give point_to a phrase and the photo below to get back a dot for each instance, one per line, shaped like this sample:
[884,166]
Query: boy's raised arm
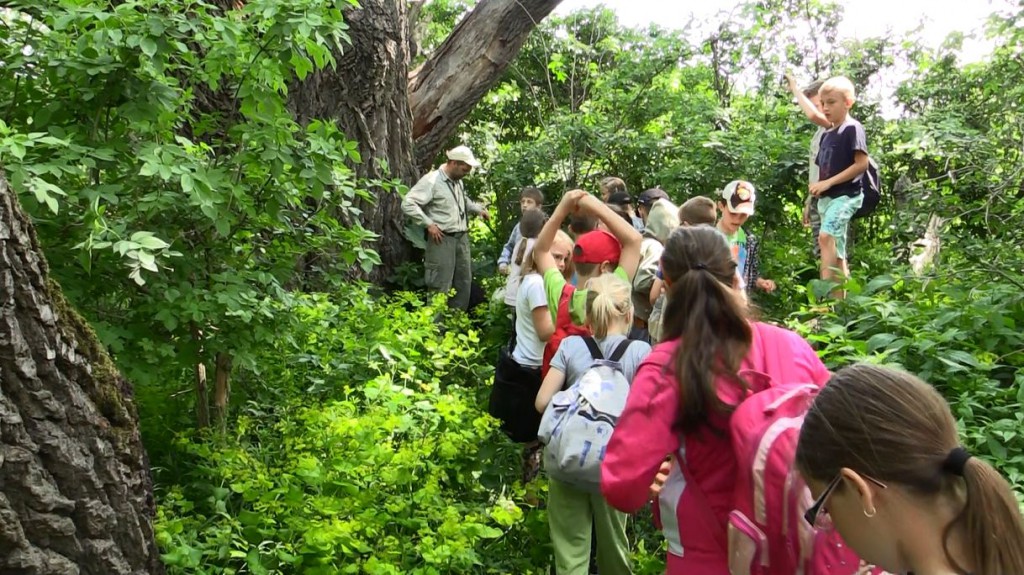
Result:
[813,113]
[628,237]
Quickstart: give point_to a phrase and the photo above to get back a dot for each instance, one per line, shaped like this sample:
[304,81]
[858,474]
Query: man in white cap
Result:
[438,202]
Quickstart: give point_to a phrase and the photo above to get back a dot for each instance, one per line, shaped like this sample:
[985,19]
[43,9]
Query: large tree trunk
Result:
[444,90]
[368,95]
[76,495]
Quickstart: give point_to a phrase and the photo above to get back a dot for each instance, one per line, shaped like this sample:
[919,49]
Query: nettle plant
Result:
[177,197]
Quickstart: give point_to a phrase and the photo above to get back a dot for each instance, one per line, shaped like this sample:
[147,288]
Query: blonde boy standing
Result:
[842,161]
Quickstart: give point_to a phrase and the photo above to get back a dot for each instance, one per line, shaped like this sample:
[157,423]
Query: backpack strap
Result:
[718,531]
[620,350]
[595,350]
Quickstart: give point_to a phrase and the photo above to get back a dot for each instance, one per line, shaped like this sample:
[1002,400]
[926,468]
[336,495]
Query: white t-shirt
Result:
[812,175]
[529,351]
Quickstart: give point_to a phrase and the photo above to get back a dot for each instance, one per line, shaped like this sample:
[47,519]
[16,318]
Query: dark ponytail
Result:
[891,426]
[708,314]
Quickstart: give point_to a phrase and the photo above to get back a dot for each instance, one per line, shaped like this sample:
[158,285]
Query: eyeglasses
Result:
[816,513]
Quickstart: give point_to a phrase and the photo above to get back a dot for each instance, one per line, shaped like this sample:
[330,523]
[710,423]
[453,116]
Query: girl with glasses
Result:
[879,449]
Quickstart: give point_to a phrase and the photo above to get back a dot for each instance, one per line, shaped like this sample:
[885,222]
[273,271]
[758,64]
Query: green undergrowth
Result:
[958,328]
[362,444]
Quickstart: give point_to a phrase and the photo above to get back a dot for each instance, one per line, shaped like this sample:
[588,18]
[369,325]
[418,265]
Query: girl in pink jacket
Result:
[682,397]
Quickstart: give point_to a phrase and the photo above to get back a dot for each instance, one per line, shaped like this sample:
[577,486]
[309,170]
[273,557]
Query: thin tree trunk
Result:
[222,390]
[76,496]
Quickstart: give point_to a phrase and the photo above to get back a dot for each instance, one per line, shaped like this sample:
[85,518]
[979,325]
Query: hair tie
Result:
[700,266]
[956,460]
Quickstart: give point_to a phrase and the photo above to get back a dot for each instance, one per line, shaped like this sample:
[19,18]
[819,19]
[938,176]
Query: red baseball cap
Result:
[596,247]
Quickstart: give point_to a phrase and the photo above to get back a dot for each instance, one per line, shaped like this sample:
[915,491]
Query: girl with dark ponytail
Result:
[879,449]
[672,440]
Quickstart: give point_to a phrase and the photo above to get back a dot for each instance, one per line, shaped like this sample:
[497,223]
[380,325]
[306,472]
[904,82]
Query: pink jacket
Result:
[646,433]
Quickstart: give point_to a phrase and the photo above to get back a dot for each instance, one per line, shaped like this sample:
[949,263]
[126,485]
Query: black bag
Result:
[871,187]
[513,396]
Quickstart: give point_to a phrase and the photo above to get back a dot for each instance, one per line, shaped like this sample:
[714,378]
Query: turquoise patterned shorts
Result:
[835,218]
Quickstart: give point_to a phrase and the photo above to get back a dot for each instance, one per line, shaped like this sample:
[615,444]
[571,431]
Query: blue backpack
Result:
[578,422]
[871,187]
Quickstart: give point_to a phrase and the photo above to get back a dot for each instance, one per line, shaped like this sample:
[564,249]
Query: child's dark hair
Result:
[530,224]
[532,193]
[891,426]
[580,223]
[622,211]
[708,314]
[697,211]
[811,90]
[611,184]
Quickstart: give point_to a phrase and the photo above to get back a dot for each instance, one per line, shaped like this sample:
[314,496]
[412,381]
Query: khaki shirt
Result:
[437,199]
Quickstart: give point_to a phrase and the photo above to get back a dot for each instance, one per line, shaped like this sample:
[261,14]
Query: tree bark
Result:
[222,390]
[367,96]
[444,90]
[76,496]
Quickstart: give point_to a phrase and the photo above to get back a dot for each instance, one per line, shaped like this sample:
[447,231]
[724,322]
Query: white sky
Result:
[862,18]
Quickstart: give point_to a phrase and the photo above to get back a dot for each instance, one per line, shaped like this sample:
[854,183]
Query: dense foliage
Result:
[356,439]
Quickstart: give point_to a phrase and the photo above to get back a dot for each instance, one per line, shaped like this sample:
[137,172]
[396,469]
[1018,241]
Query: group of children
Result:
[878,448]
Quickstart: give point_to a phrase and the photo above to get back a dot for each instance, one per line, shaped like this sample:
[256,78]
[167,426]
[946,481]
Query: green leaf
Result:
[880,341]
[148,46]
[147,261]
[995,448]
[152,243]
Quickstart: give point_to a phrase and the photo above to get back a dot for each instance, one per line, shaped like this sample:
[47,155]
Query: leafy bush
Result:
[958,330]
[362,448]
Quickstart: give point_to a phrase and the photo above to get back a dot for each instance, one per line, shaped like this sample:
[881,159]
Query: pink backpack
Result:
[767,533]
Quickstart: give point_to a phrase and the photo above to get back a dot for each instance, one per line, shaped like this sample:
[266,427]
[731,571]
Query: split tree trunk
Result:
[368,95]
[446,88]
[76,496]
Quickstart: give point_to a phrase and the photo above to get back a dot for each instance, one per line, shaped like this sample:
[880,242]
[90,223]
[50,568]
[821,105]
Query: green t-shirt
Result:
[553,284]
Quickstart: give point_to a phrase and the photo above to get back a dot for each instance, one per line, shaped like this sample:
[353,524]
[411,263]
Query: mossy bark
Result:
[76,495]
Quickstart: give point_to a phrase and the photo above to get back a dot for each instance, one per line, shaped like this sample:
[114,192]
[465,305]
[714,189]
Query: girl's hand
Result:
[661,477]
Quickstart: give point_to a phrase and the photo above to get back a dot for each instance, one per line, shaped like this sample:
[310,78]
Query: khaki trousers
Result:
[448,265]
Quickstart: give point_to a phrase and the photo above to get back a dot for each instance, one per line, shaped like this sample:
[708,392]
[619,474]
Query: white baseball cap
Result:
[463,154]
[739,197]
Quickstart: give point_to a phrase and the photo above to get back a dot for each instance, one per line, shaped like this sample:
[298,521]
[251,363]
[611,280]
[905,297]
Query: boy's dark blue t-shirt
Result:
[836,153]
